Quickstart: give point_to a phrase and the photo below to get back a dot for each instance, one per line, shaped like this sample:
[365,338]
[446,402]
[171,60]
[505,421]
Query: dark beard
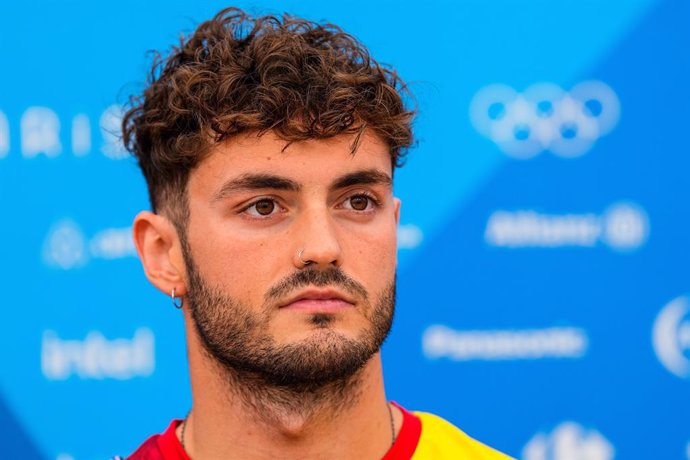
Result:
[234,336]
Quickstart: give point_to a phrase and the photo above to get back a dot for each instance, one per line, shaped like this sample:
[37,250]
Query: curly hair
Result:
[237,74]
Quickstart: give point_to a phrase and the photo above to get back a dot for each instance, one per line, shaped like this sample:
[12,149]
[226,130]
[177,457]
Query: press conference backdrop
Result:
[544,280]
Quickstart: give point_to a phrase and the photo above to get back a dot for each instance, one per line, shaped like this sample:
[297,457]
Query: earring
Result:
[176,301]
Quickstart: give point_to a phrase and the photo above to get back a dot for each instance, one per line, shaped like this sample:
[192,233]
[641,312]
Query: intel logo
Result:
[545,117]
[96,357]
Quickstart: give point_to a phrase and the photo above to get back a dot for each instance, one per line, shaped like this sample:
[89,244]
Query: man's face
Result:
[256,214]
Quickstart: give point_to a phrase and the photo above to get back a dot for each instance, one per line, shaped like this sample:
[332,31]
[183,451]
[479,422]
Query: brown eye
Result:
[359,202]
[265,207]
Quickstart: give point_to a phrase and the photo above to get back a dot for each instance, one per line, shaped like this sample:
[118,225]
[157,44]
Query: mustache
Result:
[312,276]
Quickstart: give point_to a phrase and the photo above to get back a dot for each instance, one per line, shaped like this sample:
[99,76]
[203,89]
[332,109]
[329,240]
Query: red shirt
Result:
[166,446]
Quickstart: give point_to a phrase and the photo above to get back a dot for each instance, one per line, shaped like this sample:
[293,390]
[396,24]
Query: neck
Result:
[297,406]
[236,415]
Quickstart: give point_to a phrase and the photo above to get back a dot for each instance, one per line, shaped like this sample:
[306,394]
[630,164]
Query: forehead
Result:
[307,162]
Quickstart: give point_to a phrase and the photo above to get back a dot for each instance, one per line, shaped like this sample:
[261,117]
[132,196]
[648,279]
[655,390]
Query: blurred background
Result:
[544,258]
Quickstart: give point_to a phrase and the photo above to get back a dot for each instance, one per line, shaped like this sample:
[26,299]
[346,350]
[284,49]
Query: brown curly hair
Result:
[237,74]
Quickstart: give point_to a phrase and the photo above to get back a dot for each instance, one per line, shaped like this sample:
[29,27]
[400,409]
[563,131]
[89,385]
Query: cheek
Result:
[372,254]
[239,269]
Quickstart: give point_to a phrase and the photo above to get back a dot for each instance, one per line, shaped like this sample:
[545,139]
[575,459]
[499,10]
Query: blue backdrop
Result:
[544,289]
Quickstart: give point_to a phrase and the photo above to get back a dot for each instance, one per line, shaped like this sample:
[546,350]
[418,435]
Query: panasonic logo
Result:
[491,345]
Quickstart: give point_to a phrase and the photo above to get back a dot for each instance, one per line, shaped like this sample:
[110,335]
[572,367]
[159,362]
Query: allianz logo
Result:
[623,227]
[671,337]
[96,357]
[67,247]
[568,441]
[545,117]
[439,341]
[42,132]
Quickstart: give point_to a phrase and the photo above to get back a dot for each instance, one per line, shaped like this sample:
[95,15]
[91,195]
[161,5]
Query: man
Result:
[268,146]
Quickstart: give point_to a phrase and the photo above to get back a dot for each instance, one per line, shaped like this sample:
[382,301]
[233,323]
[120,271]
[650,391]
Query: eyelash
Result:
[258,215]
[375,202]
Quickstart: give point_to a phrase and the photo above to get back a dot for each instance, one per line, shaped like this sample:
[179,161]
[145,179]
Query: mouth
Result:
[319,301]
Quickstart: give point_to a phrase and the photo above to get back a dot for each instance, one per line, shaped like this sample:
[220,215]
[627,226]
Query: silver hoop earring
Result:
[299,256]
[177,301]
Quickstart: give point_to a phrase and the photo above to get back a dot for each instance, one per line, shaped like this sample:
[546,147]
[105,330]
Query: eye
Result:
[263,207]
[360,202]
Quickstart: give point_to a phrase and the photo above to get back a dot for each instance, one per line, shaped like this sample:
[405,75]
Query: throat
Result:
[293,427]
[293,410]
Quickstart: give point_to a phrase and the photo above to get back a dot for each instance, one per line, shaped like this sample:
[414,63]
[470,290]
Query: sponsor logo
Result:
[671,337]
[623,227]
[81,135]
[41,130]
[409,236]
[66,247]
[568,441]
[110,130]
[96,357]
[493,345]
[4,135]
[545,117]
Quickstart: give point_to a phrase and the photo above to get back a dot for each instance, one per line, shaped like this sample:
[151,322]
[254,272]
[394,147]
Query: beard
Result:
[235,335]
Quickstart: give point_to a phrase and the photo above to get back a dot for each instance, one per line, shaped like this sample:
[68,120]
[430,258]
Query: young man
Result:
[268,146]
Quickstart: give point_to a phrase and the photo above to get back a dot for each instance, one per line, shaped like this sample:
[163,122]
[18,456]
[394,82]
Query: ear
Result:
[160,251]
[397,203]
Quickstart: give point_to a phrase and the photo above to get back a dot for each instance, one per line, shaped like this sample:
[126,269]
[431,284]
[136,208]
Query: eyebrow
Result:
[365,177]
[256,182]
[269,181]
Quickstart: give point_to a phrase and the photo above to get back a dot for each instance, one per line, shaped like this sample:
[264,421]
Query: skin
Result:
[242,253]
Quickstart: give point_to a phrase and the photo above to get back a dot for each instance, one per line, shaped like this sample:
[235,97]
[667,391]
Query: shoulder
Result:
[147,451]
[164,446]
[441,440]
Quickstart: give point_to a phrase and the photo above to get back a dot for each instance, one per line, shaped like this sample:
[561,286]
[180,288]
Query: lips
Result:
[319,300]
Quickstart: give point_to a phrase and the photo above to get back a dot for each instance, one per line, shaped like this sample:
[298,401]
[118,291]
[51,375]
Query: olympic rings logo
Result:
[545,117]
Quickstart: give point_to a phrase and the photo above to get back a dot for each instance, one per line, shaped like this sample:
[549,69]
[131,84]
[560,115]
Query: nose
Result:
[318,242]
